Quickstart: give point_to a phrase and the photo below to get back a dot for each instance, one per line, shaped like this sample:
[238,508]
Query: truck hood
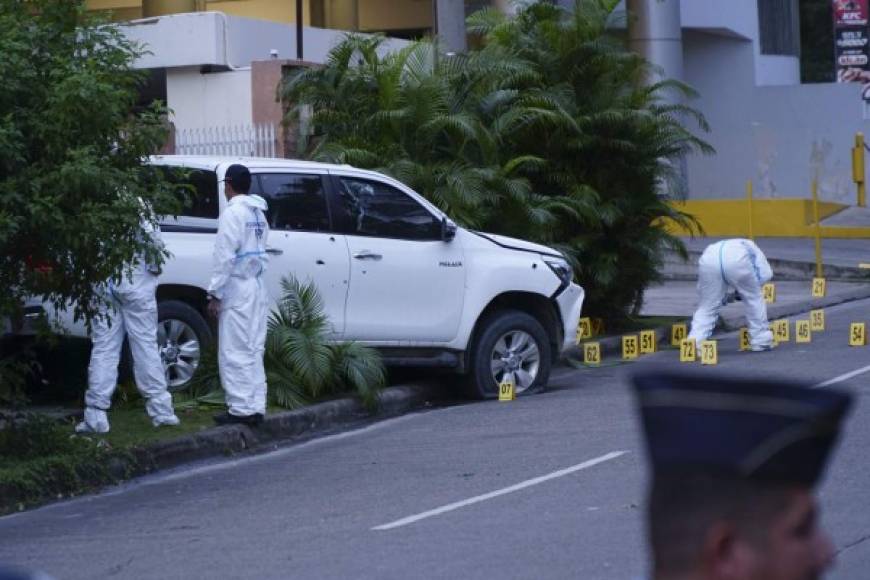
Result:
[521,245]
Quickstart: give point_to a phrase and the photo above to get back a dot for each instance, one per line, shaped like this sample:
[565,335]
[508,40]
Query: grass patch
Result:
[40,459]
[131,427]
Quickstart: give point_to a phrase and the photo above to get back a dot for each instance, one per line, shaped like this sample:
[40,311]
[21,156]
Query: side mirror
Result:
[448,230]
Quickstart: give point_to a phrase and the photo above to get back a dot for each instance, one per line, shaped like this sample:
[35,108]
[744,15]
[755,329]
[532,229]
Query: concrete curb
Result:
[786,270]
[314,419]
[776,311]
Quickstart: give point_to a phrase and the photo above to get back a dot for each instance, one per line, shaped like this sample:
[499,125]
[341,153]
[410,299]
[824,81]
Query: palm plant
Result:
[544,132]
[301,363]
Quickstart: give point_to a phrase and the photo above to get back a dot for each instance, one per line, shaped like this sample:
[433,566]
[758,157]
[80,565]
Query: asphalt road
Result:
[548,486]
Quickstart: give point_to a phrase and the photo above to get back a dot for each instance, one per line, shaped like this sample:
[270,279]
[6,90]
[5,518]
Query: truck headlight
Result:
[561,269]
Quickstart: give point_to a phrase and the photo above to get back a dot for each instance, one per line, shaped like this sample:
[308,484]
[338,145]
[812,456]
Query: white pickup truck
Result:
[394,273]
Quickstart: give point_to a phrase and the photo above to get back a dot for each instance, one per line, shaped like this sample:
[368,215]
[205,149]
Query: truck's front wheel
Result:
[513,344]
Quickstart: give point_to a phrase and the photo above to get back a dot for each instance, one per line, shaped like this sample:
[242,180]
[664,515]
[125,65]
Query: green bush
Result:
[544,132]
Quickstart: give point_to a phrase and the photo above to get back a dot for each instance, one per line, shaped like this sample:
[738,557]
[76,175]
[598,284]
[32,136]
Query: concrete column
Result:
[654,31]
[450,25]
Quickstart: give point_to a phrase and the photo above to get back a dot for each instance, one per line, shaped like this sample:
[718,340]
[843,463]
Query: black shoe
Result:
[227,418]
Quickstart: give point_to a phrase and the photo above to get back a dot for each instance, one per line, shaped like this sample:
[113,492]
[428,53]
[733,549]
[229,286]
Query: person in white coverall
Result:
[130,309]
[740,265]
[238,297]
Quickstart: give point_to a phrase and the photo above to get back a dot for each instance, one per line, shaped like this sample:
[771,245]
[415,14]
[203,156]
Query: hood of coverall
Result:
[251,200]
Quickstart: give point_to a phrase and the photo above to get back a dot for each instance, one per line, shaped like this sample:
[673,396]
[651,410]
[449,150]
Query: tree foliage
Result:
[72,149]
[544,132]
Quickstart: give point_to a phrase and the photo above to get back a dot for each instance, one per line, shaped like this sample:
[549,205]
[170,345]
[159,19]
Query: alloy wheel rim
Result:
[179,351]
[516,353]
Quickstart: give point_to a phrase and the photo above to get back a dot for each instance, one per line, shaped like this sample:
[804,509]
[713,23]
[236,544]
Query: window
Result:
[200,197]
[371,208]
[296,202]
[779,27]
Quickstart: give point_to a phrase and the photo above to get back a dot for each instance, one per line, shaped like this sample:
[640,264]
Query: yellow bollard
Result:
[749,205]
[858,169]
[817,229]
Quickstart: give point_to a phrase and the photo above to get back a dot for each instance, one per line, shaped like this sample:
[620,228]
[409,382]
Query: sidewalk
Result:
[835,252]
[679,298]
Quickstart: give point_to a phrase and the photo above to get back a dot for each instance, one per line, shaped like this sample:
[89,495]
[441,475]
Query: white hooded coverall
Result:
[240,260]
[738,264]
[131,310]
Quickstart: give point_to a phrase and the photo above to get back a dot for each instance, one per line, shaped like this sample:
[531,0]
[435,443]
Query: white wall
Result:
[212,38]
[207,100]
[778,136]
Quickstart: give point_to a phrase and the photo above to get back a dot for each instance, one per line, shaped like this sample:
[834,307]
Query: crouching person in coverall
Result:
[238,298]
[740,265]
[130,308]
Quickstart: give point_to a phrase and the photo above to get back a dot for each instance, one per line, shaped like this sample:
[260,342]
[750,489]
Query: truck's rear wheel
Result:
[509,343]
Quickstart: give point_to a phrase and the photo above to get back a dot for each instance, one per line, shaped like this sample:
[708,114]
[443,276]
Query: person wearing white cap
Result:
[238,298]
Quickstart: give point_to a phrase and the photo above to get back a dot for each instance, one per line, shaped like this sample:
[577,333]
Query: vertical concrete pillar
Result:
[654,31]
[450,24]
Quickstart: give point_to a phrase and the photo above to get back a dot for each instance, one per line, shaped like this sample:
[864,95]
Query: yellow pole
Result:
[817,229]
[858,169]
[749,205]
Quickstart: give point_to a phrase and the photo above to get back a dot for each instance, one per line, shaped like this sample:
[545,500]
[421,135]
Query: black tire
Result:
[480,382]
[175,310]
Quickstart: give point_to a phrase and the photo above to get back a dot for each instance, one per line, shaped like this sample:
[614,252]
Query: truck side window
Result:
[372,208]
[201,197]
[296,201]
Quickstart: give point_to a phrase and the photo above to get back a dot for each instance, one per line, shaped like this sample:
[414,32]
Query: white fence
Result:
[244,140]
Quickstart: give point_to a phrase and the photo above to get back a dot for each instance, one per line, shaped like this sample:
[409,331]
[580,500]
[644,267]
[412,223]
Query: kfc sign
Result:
[850,12]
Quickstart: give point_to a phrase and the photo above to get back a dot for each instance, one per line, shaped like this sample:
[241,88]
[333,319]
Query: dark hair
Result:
[683,507]
[239,177]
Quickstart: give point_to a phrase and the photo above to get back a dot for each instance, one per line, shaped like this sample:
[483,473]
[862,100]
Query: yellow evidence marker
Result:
[802,332]
[709,352]
[819,287]
[857,334]
[817,320]
[647,341]
[678,333]
[629,347]
[769,292]
[506,389]
[584,330]
[592,353]
[744,339]
[781,331]
[687,350]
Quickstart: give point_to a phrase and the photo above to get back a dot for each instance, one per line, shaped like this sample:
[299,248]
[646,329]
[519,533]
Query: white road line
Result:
[843,377]
[499,492]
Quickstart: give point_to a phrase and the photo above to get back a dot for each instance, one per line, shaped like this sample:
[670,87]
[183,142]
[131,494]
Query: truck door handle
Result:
[274,251]
[367,255]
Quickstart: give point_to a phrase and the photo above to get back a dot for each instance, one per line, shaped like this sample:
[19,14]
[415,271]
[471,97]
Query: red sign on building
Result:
[852,43]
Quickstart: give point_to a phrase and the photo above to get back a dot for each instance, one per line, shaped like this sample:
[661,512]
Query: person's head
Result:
[237,180]
[729,528]
[734,463]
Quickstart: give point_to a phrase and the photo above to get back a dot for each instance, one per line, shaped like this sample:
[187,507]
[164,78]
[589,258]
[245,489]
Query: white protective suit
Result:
[131,310]
[737,264]
[240,260]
